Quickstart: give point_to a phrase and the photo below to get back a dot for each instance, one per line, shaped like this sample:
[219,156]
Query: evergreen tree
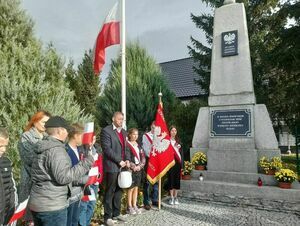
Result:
[84,83]
[31,78]
[266,20]
[144,82]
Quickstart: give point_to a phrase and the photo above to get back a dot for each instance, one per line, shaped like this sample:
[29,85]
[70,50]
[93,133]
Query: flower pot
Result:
[271,172]
[186,177]
[285,185]
[199,167]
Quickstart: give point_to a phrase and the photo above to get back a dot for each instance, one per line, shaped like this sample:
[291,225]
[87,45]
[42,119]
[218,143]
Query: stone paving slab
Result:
[190,212]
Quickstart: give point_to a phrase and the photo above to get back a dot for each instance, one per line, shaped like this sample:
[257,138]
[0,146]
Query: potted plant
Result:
[199,160]
[186,171]
[285,177]
[270,166]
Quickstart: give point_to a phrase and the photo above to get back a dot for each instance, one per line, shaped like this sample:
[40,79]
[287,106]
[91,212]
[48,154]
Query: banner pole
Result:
[159,194]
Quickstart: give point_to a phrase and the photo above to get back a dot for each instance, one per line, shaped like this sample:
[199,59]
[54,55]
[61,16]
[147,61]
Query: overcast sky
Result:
[163,27]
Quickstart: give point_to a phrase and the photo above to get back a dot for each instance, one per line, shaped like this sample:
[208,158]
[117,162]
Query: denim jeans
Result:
[154,197]
[51,218]
[86,209]
[73,214]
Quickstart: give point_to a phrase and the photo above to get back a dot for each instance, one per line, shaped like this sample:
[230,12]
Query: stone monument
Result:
[233,130]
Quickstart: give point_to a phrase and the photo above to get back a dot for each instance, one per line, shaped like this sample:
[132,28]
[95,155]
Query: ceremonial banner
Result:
[161,157]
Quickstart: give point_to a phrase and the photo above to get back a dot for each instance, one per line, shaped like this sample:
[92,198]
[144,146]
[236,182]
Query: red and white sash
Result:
[176,148]
[149,138]
[133,151]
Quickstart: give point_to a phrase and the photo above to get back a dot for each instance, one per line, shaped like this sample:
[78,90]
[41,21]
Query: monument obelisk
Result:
[233,130]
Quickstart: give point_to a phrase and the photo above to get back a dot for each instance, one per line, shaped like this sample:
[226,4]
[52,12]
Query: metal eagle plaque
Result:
[231,123]
[229,43]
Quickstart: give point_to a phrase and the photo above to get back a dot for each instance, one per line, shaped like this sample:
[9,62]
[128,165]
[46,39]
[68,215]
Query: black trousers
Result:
[112,196]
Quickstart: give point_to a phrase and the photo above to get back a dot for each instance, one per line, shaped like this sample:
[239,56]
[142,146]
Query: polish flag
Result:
[91,197]
[88,133]
[109,35]
[93,175]
[19,212]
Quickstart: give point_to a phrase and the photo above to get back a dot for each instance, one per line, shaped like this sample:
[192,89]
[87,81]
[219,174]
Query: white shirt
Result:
[117,128]
[75,150]
[137,152]
[147,146]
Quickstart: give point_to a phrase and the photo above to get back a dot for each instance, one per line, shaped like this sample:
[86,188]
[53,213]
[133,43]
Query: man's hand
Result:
[127,163]
[122,164]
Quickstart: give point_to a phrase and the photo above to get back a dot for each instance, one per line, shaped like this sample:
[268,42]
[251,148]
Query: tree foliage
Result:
[274,53]
[84,83]
[144,82]
[31,78]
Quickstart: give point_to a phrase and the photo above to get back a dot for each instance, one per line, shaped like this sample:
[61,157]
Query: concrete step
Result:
[235,177]
[266,197]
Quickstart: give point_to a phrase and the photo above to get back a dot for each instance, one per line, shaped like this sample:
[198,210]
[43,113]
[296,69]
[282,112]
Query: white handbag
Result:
[125,179]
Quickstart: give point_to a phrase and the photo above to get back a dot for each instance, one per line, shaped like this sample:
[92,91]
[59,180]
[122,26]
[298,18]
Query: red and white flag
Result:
[161,157]
[88,133]
[109,35]
[93,175]
[91,197]
[19,212]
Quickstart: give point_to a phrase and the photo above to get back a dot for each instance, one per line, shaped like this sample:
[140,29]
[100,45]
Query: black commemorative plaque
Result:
[231,122]
[229,43]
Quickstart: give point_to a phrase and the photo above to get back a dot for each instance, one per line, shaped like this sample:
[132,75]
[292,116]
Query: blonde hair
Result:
[131,131]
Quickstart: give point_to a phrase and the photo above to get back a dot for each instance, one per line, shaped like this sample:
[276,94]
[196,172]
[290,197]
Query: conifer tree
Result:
[144,82]
[31,78]
[85,83]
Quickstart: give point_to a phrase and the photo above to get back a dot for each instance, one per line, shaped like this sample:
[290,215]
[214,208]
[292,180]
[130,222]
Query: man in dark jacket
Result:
[52,176]
[7,185]
[115,155]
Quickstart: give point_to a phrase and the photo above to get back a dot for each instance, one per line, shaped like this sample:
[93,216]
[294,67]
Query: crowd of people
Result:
[55,172]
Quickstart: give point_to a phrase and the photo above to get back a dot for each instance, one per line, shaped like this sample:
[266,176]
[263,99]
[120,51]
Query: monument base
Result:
[235,153]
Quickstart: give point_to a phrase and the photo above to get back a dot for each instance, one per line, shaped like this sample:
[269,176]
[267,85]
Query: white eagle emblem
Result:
[160,144]
[229,38]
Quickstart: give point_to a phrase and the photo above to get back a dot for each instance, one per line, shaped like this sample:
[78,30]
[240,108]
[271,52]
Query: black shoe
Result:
[147,207]
[155,204]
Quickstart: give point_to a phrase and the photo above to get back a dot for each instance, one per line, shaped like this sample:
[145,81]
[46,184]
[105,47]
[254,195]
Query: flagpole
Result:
[159,182]
[123,57]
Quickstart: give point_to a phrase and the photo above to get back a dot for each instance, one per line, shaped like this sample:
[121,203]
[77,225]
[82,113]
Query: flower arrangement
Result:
[285,175]
[267,165]
[199,158]
[187,168]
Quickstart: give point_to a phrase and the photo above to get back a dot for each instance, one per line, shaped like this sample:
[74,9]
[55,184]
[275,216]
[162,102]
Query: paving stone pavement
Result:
[190,212]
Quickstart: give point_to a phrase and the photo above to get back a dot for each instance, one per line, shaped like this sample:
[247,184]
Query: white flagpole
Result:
[123,57]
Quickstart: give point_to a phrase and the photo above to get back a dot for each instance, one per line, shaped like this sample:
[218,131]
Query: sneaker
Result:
[120,218]
[137,210]
[109,222]
[171,201]
[176,201]
[131,211]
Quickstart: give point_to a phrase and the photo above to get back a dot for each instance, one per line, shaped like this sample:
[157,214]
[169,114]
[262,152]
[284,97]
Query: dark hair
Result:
[176,137]
[75,128]
[3,133]
[35,118]
[131,131]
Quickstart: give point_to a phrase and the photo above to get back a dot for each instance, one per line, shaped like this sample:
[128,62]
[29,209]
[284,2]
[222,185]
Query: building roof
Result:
[181,77]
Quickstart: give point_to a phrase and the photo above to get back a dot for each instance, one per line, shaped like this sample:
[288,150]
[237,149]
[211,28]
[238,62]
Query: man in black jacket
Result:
[7,185]
[115,156]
